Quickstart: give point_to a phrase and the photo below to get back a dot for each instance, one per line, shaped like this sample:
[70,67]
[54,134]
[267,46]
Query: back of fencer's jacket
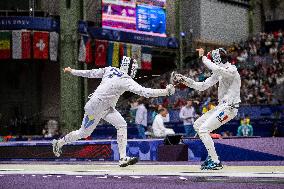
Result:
[111,86]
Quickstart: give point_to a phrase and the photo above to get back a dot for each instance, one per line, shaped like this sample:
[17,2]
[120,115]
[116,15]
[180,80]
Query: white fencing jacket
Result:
[114,83]
[229,82]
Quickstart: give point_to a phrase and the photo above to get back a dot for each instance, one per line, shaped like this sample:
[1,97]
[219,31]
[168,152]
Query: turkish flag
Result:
[101,53]
[40,45]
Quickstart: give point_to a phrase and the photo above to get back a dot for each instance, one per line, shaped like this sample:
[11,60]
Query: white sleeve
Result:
[94,73]
[230,71]
[181,114]
[201,86]
[145,115]
[134,87]
[139,116]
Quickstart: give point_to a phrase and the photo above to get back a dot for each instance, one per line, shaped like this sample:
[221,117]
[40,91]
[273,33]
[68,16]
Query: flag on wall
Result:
[146,60]
[101,47]
[53,45]
[21,44]
[115,55]
[85,50]
[136,54]
[124,50]
[110,53]
[40,45]
[5,44]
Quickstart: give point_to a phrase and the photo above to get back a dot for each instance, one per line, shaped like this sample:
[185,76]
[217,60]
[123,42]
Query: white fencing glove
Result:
[182,79]
[171,89]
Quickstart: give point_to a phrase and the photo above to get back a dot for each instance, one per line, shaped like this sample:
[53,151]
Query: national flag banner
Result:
[124,50]
[115,55]
[53,46]
[121,50]
[127,48]
[5,44]
[21,44]
[146,60]
[136,54]
[40,45]
[85,50]
[110,53]
[101,47]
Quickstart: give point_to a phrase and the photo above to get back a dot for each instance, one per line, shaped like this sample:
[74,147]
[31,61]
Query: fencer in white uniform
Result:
[228,99]
[103,101]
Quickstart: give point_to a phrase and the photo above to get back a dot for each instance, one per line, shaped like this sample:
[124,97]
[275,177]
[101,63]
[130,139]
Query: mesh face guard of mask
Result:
[216,56]
[129,66]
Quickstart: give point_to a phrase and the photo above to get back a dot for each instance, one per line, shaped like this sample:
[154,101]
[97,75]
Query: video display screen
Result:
[140,16]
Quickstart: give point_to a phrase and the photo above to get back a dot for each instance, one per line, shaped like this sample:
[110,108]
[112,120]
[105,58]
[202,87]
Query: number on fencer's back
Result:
[115,72]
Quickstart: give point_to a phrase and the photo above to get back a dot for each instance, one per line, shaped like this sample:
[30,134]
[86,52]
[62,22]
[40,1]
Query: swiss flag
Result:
[40,45]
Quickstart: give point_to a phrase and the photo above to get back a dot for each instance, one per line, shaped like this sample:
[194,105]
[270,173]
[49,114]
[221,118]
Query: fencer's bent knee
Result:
[88,109]
[196,125]
[122,125]
[204,130]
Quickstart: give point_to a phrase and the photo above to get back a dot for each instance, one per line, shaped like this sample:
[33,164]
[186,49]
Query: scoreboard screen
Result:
[139,16]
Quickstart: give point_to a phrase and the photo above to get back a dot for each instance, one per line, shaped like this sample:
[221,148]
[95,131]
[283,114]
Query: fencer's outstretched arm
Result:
[230,71]
[134,87]
[201,86]
[94,73]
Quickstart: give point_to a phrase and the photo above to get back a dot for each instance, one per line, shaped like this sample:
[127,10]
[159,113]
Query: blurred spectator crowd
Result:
[260,61]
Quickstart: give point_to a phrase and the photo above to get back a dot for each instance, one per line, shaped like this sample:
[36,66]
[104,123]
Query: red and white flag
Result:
[146,59]
[21,44]
[101,53]
[40,45]
[53,45]
[85,50]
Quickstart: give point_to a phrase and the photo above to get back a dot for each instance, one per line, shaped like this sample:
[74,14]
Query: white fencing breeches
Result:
[210,121]
[95,110]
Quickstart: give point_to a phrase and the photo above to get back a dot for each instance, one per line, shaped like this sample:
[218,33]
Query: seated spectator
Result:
[158,126]
[245,129]
[159,107]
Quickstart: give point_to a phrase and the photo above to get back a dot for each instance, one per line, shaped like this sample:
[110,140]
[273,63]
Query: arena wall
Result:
[223,22]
